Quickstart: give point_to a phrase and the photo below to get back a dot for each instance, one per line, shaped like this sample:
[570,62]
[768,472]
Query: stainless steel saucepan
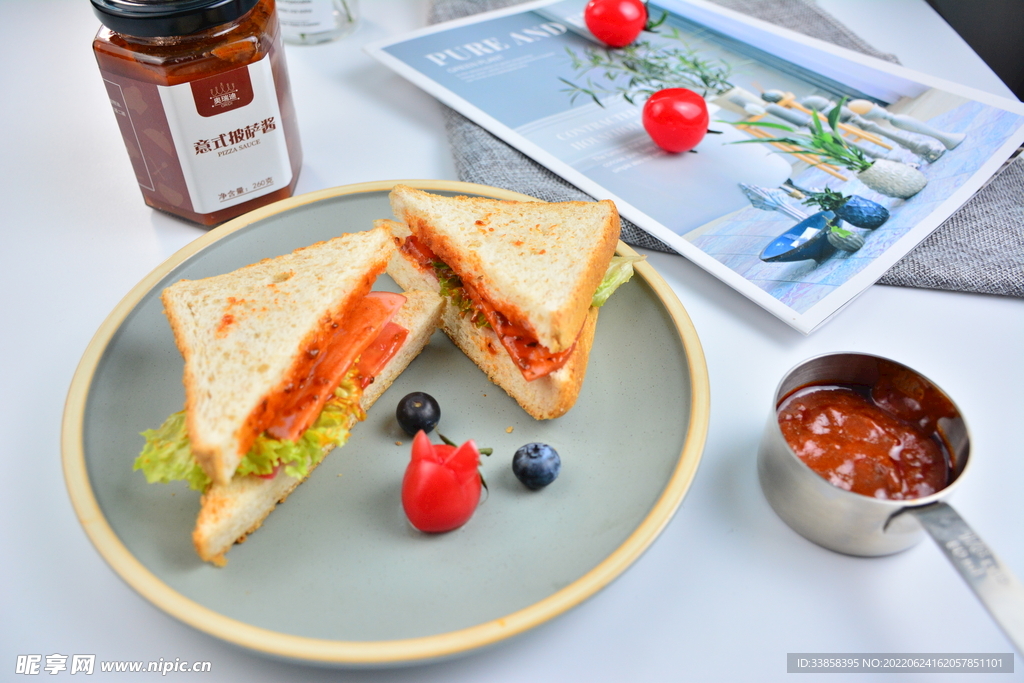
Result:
[855,524]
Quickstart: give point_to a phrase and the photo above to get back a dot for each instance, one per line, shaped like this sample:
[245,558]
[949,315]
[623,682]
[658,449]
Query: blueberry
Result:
[536,465]
[418,411]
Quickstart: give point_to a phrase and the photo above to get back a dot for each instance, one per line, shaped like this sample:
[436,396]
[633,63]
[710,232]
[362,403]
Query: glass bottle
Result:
[201,94]
[308,22]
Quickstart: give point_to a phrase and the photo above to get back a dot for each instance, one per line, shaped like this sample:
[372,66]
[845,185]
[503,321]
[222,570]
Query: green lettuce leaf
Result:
[451,287]
[168,457]
[620,270]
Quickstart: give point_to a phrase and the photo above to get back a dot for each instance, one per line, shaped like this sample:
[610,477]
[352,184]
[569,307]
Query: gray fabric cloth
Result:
[980,248]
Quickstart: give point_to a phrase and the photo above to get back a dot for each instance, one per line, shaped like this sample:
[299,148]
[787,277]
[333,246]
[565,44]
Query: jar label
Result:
[208,144]
[147,137]
[228,134]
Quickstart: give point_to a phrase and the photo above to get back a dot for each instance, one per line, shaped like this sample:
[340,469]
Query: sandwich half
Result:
[519,280]
[282,358]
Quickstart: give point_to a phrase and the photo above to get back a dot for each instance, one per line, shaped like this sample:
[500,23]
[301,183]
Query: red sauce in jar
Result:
[881,441]
[247,153]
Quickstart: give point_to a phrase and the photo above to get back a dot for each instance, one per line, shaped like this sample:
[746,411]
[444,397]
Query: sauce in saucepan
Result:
[881,441]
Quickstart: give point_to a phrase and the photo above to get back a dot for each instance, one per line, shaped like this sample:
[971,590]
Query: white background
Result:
[722,595]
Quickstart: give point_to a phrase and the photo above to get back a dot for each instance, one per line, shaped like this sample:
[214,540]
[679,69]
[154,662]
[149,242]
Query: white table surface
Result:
[722,595]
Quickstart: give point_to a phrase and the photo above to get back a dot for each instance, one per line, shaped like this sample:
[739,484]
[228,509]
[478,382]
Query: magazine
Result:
[821,168]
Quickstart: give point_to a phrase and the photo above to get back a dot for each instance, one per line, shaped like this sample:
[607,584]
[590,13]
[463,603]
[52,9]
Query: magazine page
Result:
[798,225]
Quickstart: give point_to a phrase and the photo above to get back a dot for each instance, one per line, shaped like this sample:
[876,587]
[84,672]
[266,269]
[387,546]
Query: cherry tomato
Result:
[442,484]
[615,23]
[676,119]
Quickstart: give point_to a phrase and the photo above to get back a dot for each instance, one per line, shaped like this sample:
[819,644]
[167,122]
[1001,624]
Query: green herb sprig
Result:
[826,200]
[647,68]
[481,451]
[827,144]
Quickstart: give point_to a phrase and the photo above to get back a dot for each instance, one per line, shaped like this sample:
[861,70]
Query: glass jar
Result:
[201,94]
[308,22]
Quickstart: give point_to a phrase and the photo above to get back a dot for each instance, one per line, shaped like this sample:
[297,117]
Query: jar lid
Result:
[153,18]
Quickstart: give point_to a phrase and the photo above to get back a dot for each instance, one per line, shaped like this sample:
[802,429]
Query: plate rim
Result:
[380,652]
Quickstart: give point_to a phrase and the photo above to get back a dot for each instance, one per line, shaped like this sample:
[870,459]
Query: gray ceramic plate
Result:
[336,574]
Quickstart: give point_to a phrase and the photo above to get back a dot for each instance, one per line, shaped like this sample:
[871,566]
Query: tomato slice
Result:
[418,252]
[532,359]
[304,397]
[379,352]
[271,475]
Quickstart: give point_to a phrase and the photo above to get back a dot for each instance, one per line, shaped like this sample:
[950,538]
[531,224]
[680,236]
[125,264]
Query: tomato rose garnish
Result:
[441,487]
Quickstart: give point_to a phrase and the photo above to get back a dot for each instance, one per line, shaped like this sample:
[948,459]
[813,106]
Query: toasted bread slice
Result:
[242,333]
[544,398]
[536,262]
[229,512]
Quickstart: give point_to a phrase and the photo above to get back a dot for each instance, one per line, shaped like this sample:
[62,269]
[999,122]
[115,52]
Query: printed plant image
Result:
[863,176]
[639,70]
[793,174]
[864,170]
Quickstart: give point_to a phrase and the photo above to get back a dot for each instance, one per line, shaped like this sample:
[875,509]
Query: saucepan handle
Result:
[990,579]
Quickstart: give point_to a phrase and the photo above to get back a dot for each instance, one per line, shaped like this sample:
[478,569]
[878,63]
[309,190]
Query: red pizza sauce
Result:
[880,441]
[533,359]
[328,358]
[201,95]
